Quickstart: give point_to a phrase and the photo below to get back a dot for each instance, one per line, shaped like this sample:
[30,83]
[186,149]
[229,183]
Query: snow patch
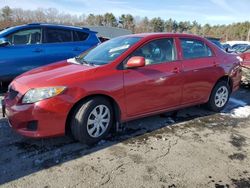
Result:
[237,108]
[241,112]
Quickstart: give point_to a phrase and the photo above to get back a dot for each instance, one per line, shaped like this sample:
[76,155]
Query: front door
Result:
[158,85]
[24,53]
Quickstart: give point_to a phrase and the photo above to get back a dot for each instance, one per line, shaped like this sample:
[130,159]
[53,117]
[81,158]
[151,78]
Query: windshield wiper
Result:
[82,61]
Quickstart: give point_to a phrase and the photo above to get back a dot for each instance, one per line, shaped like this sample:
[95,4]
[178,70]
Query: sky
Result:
[204,11]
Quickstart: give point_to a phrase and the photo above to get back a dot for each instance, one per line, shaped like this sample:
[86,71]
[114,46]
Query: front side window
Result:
[192,48]
[26,37]
[54,35]
[108,51]
[157,51]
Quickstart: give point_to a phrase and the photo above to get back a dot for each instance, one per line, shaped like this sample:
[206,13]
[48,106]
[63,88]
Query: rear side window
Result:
[26,37]
[54,35]
[192,48]
[80,36]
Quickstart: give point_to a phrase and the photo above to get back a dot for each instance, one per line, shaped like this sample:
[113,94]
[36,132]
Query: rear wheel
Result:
[219,96]
[92,120]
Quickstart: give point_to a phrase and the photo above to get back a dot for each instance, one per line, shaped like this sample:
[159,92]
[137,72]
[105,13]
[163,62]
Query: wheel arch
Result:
[115,106]
[222,78]
[227,79]
[211,103]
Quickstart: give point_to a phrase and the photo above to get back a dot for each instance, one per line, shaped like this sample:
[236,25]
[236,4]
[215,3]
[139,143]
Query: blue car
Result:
[29,46]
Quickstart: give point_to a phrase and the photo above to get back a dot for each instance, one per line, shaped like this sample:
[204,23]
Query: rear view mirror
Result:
[4,42]
[135,62]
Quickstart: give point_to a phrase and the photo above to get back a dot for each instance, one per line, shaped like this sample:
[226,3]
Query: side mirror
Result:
[135,62]
[4,42]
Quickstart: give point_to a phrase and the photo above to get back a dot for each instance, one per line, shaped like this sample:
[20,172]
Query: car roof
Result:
[153,35]
[57,25]
[15,28]
[213,38]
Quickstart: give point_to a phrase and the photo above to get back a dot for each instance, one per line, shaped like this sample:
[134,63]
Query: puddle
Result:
[237,156]
[237,141]
[241,183]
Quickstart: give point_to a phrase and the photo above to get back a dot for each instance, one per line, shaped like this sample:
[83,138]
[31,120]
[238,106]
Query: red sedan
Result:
[122,79]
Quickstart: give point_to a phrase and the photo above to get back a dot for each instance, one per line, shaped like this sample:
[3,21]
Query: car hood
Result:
[56,74]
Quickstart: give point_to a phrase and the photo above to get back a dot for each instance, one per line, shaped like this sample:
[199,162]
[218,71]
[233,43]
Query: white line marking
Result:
[236,101]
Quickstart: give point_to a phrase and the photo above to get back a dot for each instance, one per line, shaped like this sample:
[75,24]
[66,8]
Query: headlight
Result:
[37,94]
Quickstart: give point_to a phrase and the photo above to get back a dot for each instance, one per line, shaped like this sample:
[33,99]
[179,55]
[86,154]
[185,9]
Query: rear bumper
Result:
[236,80]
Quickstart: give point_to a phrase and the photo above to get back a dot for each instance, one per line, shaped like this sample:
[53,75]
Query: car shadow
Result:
[22,156]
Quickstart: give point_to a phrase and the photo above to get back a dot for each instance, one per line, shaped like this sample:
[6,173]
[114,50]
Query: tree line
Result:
[16,16]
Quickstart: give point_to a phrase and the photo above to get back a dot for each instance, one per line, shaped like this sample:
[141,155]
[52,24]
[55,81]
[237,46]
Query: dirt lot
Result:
[196,148]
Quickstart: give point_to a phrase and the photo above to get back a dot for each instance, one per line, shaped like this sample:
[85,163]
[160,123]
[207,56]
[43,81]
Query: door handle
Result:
[176,70]
[37,50]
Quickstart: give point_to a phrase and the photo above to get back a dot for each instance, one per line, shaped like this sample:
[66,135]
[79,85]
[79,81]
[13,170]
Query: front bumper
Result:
[45,118]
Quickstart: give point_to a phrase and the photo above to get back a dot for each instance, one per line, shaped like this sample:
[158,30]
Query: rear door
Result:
[83,41]
[62,43]
[199,69]
[25,52]
[158,85]
[58,43]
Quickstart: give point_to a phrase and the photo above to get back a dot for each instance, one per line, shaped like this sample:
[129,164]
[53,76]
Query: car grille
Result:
[12,93]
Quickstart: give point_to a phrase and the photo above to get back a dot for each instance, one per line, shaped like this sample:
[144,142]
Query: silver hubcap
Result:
[98,121]
[221,96]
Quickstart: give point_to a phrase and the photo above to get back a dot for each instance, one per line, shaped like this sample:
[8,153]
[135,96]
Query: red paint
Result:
[246,59]
[139,92]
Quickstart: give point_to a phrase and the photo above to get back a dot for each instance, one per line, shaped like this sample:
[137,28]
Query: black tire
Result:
[211,103]
[80,117]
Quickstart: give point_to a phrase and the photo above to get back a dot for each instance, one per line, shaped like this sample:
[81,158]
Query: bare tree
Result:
[16,16]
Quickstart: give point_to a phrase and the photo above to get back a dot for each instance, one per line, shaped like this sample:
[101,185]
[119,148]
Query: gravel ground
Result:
[195,148]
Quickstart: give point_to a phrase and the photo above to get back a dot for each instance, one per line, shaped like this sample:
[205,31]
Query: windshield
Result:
[5,30]
[107,51]
[243,49]
[237,46]
[216,42]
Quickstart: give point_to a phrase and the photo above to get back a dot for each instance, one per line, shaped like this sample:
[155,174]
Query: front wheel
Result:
[219,96]
[92,120]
